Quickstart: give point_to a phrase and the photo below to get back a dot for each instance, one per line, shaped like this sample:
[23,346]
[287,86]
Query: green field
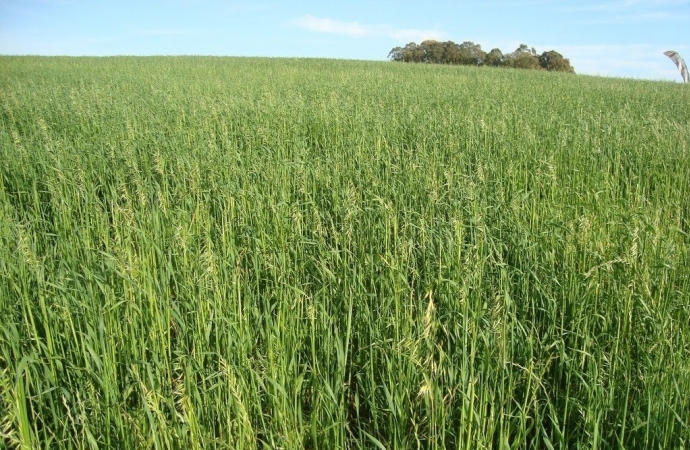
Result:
[245,253]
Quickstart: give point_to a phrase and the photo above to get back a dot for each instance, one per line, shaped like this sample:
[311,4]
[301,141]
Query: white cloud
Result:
[356,29]
[645,60]
[629,5]
[633,11]
[647,16]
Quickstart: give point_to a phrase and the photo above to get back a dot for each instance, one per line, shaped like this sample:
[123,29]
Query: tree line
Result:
[470,54]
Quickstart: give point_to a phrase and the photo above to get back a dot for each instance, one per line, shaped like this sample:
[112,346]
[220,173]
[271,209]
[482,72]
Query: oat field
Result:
[248,253]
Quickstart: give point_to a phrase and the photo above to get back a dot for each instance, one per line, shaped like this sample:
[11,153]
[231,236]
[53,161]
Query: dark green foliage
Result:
[494,58]
[554,61]
[471,54]
[435,52]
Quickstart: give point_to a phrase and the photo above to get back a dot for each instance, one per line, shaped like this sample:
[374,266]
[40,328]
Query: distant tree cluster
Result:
[471,54]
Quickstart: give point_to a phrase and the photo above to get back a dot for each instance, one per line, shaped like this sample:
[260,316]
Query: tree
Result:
[433,51]
[410,53]
[396,54]
[523,58]
[471,54]
[451,53]
[555,62]
[494,58]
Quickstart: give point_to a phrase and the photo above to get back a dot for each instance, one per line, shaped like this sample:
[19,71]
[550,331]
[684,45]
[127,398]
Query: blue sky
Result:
[624,38]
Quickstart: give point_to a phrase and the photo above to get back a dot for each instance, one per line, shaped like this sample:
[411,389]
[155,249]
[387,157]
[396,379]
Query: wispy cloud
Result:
[357,29]
[50,45]
[648,16]
[619,60]
[633,11]
[628,5]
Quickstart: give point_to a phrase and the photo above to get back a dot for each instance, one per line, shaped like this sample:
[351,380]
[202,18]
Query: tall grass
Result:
[275,253]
